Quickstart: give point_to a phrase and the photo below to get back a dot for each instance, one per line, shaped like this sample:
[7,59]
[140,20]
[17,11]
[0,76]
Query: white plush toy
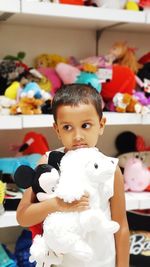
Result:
[64,233]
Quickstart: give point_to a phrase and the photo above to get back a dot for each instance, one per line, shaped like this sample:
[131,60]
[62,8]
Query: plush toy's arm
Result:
[48,181]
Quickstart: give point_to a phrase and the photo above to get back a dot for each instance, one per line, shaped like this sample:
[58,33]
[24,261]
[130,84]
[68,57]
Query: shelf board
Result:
[44,120]
[10,122]
[8,219]
[137,200]
[71,16]
[148,17]
[146,119]
[133,201]
[12,6]
[37,121]
[114,118]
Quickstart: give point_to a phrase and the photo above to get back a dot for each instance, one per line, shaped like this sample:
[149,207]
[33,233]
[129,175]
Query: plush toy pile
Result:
[65,233]
[122,80]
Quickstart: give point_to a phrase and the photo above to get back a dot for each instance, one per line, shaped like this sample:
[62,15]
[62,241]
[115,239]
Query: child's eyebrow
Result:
[87,120]
[65,122]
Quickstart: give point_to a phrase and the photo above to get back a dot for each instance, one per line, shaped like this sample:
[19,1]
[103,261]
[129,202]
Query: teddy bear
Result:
[64,233]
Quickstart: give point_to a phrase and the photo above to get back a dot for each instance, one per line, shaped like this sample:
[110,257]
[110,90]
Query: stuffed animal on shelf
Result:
[27,106]
[145,4]
[136,175]
[48,60]
[10,164]
[82,170]
[27,153]
[117,4]
[5,105]
[125,56]
[132,149]
[33,142]
[71,74]
[132,5]
[52,77]
[126,103]
[123,81]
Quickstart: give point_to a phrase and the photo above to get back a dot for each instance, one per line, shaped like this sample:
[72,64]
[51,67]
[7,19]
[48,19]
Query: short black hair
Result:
[74,94]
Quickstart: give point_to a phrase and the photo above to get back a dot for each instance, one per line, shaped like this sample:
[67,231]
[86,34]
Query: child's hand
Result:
[77,205]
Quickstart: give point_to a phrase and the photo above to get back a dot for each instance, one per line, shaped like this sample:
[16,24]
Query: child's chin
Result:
[78,147]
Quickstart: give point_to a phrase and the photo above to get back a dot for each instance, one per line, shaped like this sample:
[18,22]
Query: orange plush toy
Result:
[125,56]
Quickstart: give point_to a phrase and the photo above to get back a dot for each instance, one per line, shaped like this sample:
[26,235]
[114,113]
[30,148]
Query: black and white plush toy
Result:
[64,233]
[43,187]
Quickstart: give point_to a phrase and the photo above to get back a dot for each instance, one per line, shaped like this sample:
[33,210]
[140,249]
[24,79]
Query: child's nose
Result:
[78,135]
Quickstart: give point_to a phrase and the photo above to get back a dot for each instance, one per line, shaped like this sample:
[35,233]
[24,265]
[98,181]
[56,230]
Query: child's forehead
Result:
[73,111]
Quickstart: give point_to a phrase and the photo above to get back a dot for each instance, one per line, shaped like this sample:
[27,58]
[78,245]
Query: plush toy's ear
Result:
[24,176]
[126,142]
[55,159]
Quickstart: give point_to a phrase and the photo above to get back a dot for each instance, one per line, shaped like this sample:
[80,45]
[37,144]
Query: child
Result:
[78,122]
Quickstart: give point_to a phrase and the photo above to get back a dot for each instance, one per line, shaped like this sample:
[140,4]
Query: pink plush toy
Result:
[71,74]
[52,76]
[136,175]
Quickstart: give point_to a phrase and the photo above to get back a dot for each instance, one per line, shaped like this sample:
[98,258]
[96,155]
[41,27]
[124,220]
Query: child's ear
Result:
[102,123]
[55,126]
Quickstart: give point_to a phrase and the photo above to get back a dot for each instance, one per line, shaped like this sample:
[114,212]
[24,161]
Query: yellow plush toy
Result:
[48,60]
[12,91]
[132,5]
[27,106]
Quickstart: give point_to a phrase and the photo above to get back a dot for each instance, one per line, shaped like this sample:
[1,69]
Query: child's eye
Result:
[86,125]
[67,127]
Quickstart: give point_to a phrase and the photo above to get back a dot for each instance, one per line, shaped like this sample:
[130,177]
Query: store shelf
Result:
[133,201]
[39,121]
[148,17]
[81,17]
[114,118]
[146,119]
[9,6]
[8,219]
[10,122]
[137,200]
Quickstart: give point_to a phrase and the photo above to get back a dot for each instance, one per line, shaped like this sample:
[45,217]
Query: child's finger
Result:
[86,194]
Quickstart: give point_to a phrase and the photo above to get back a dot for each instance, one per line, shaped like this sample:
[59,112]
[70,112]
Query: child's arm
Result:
[30,212]
[118,211]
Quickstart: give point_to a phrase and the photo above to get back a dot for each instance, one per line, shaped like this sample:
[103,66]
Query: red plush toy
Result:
[123,81]
[34,143]
[145,58]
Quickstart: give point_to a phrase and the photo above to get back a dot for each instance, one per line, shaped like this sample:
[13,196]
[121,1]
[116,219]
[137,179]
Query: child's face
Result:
[78,126]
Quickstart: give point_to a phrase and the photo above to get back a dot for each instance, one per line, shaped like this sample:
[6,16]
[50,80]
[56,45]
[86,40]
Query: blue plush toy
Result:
[89,78]
[10,164]
[33,89]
